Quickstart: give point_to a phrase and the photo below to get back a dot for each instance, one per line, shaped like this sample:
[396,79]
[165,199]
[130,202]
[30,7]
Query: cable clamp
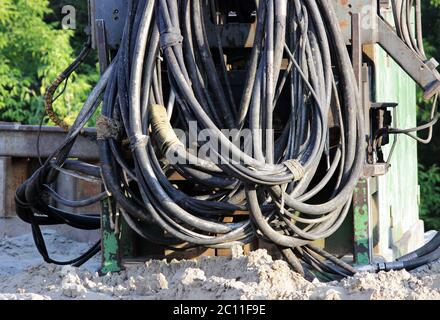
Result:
[296,168]
[170,38]
[138,140]
[381,266]
[107,128]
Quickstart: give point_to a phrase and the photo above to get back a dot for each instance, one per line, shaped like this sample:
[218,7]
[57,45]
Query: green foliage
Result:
[431,22]
[435,3]
[429,169]
[430,200]
[32,53]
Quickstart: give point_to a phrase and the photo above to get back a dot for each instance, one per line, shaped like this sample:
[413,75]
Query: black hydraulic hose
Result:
[333,259]
[405,264]
[417,262]
[75,203]
[30,205]
[293,260]
[426,254]
[432,245]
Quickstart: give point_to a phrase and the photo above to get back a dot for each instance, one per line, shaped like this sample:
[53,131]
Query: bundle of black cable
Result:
[296,185]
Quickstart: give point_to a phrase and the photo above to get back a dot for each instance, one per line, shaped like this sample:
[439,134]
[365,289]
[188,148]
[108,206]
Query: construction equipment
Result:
[230,123]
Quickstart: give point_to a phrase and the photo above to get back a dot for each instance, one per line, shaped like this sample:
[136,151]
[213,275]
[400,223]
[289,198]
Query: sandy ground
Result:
[257,276]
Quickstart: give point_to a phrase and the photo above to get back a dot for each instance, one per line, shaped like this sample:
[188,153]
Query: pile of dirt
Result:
[256,276]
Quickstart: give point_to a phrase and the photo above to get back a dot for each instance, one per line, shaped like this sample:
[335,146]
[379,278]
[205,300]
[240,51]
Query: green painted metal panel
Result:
[361,217]
[109,242]
[397,191]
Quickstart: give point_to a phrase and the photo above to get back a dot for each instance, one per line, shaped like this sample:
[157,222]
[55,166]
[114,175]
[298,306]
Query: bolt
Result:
[432,64]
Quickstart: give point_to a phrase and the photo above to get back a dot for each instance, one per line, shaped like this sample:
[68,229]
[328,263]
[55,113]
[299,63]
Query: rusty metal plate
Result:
[234,35]
[113,13]
[367,10]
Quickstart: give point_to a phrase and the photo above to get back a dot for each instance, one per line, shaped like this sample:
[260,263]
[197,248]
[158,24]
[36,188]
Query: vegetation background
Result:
[34,49]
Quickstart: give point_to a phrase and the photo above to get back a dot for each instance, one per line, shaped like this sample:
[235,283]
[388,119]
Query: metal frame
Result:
[103,30]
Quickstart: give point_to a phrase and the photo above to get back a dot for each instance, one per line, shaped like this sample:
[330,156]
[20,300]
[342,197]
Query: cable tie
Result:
[296,168]
[161,128]
[107,128]
[170,38]
[138,140]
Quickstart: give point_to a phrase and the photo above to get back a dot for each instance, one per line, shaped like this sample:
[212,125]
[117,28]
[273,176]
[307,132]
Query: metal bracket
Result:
[110,254]
[363,246]
[113,14]
[422,72]
[381,119]
[376,170]
[374,29]
[366,10]
[101,45]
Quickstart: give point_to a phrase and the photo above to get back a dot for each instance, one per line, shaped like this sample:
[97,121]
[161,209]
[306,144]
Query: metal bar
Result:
[361,224]
[366,103]
[361,218]
[408,60]
[111,261]
[356,47]
[110,244]
[101,45]
[92,19]
[20,141]
[4,166]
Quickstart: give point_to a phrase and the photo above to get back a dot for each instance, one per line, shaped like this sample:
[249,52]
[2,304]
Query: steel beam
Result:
[422,72]
[20,141]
